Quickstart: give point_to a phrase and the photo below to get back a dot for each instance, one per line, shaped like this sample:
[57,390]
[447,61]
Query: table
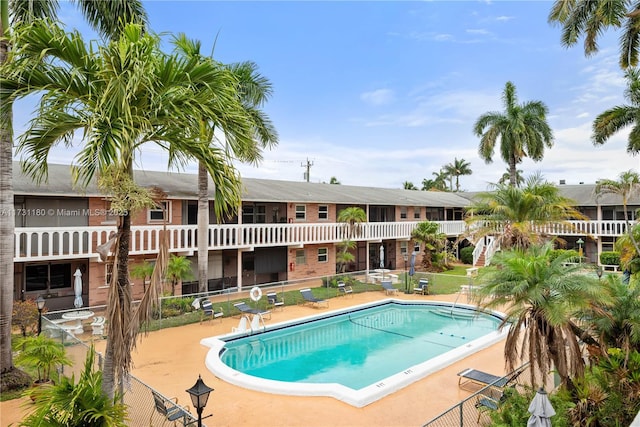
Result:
[78,316]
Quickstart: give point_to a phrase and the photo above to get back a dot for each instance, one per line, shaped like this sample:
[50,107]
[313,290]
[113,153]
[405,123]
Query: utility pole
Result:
[308,167]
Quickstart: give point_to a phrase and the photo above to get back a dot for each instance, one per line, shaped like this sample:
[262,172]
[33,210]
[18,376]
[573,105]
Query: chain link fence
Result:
[469,413]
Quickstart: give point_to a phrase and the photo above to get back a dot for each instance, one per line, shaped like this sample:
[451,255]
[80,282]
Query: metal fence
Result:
[468,413]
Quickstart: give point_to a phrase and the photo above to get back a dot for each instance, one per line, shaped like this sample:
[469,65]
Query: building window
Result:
[403,212]
[323,212]
[255,214]
[416,213]
[403,248]
[158,214]
[323,255]
[46,277]
[301,257]
[416,247]
[301,212]
[110,217]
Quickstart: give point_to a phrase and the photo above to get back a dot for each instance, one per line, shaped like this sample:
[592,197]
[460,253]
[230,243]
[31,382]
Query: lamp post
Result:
[199,395]
[40,303]
[406,273]
[580,242]
[599,272]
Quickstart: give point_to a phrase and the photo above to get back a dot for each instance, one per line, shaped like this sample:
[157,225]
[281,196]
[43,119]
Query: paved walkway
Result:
[171,359]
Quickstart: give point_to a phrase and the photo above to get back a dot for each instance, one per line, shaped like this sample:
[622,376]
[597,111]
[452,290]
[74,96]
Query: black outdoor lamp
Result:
[40,303]
[599,272]
[406,274]
[199,395]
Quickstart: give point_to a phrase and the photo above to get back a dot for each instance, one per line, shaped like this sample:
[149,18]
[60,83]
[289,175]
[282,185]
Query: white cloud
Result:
[378,97]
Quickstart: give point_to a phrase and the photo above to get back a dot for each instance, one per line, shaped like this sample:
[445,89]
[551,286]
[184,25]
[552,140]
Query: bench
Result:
[472,272]
[610,267]
[98,325]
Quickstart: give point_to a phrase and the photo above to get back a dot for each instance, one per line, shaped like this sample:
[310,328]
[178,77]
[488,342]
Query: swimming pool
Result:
[357,355]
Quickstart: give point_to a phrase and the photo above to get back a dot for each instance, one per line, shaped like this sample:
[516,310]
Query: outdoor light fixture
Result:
[599,272]
[40,303]
[580,242]
[406,273]
[199,395]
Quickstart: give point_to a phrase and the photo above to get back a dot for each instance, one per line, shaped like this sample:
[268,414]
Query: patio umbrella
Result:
[77,287]
[412,269]
[541,410]
[381,256]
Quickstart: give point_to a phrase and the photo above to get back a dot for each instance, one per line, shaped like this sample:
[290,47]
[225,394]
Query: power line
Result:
[308,167]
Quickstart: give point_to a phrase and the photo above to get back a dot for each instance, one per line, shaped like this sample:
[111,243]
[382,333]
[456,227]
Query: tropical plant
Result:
[590,19]
[621,117]
[83,89]
[522,130]
[541,298]
[334,181]
[351,217]
[143,271]
[455,169]
[428,233]
[77,404]
[178,269]
[506,177]
[25,316]
[627,186]
[107,17]
[518,215]
[42,354]
[409,186]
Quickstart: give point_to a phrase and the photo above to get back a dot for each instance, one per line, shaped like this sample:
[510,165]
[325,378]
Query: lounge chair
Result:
[255,323]
[483,379]
[169,409]
[422,287]
[242,326]
[273,301]
[246,309]
[344,289]
[310,299]
[209,311]
[388,287]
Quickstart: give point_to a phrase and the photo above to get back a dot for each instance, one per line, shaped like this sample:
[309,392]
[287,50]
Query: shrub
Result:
[610,258]
[25,316]
[466,254]
[574,256]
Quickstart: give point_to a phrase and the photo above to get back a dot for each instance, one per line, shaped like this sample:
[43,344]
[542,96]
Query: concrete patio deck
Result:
[170,360]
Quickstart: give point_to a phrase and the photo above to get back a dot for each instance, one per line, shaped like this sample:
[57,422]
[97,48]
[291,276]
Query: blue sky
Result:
[378,93]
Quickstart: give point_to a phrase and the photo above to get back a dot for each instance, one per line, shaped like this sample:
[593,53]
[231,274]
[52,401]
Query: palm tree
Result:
[507,176]
[334,181]
[407,185]
[627,186]
[455,169]
[254,90]
[438,183]
[541,297]
[107,18]
[428,233]
[518,215]
[351,217]
[178,269]
[620,117]
[522,129]
[592,18]
[83,90]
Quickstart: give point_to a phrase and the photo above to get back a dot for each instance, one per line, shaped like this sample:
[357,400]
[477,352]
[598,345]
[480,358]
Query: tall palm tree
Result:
[541,298]
[351,217]
[107,18]
[522,130]
[438,183]
[428,233]
[455,169]
[254,91]
[163,100]
[518,215]
[591,18]
[620,117]
[627,186]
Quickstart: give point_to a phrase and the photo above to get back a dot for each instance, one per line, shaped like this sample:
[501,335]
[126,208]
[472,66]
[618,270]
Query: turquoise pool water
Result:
[359,348]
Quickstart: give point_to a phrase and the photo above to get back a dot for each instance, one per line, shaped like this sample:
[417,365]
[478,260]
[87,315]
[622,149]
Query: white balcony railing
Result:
[48,243]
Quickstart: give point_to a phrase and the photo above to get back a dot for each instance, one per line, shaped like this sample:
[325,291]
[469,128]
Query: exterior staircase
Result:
[481,258]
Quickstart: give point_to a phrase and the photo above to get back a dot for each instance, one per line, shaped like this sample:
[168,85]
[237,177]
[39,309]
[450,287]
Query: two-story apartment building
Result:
[283,231]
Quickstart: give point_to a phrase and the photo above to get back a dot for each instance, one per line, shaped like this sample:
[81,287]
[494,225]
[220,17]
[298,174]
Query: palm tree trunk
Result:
[203,228]
[457,183]
[7,226]
[513,172]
